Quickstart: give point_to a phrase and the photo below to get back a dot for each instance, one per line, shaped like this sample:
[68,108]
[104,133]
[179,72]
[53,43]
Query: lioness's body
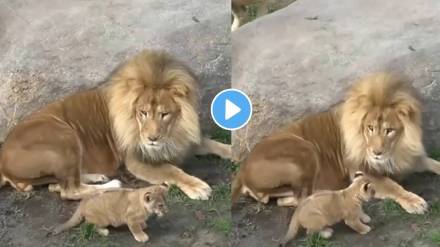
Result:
[377,129]
[146,117]
[319,211]
[115,208]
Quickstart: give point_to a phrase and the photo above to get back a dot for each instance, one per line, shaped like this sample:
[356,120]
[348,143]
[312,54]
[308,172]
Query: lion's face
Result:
[156,114]
[381,130]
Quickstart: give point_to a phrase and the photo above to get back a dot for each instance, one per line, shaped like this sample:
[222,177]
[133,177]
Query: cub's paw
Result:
[326,233]
[142,238]
[365,218]
[413,203]
[366,230]
[196,189]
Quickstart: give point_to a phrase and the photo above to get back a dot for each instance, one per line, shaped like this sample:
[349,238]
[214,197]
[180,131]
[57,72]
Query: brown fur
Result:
[123,206]
[145,117]
[344,143]
[319,211]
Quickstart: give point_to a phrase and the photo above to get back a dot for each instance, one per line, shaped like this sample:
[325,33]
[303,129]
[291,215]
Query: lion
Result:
[323,209]
[123,206]
[376,129]
[145,117]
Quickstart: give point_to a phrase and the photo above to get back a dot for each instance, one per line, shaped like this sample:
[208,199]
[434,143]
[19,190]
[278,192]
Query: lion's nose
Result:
[377,152]
[153,138]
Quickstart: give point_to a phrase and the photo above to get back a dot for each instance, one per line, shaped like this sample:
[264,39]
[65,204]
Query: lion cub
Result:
[118,207]
[323,209]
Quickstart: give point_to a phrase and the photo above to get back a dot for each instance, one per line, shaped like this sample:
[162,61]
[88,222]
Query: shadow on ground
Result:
[264,225]
[26,218]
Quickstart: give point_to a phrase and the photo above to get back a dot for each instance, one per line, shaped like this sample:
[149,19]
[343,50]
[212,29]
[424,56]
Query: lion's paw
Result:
[413,203]
[196,189]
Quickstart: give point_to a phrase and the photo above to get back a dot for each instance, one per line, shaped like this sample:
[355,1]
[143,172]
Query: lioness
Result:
[146,117]
[377,129]
[124,206]
[323,209]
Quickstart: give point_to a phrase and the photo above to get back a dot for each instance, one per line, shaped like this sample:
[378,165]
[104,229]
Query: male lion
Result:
[377,129]
[146,117]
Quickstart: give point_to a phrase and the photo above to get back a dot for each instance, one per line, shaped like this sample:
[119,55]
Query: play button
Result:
[231,109]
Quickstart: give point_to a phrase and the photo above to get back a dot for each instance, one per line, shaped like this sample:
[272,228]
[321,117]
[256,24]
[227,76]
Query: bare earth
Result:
[25,218]
[265,225]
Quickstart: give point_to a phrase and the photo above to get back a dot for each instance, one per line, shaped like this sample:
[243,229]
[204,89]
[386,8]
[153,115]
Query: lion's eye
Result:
[389,131]
[370,127]
[164,114]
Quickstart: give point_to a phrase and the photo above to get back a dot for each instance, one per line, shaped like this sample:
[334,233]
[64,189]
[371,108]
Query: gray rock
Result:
[300,59]
[52,48]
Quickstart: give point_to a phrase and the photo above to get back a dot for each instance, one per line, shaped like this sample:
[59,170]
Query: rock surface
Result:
[52,48]
[301,59]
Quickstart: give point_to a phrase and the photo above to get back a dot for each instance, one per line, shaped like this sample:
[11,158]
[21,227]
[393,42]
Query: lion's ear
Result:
[365,187]
[179,90]
[147,196]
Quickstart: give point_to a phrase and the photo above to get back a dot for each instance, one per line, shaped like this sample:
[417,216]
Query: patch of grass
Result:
[221,225]
[316,240]
[85,235]
[87,231]
[435,154]
[221,135]
[176,195]
[252,11]
[392,208]
[435,237]
[221,192]
[434,209]
[231,166]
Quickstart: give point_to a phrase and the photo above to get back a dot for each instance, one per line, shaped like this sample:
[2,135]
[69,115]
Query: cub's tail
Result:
[236,187]
[75,220]
[292,231]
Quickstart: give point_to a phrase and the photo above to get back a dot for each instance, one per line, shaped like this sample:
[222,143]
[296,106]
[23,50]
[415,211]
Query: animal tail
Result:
[236,187]
[2,179]
[75,220]
[292,231]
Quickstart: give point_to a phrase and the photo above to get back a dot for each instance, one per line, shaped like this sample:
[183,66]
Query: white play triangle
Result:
[231,109]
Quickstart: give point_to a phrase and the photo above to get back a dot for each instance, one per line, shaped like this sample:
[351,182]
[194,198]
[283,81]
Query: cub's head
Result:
[154,200]
[366,189]
[153,106]
[381,124]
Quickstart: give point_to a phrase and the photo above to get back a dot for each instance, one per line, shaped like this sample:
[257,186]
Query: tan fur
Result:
[145,116]
[344,143]
[123,206]
[321,210]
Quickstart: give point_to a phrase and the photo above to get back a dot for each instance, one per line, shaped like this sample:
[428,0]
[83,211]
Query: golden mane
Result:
[154,70]
[382,91]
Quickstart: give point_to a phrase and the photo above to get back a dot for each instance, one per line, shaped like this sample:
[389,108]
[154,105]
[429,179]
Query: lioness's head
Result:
[381,124]
[153,104]
[154,199]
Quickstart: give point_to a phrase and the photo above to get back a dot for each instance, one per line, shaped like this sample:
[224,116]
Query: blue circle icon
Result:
[231,109]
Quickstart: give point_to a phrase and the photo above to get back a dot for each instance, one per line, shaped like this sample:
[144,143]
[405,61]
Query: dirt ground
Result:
[25,218]
[264,225]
